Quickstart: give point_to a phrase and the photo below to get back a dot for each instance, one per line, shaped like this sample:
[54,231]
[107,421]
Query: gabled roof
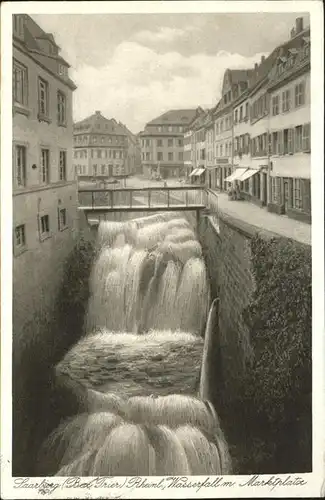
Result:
[97,123]
[175,117]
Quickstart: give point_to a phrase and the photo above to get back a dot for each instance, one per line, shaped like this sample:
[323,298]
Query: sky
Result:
[134,67]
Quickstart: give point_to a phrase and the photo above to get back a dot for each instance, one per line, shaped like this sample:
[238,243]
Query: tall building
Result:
[289,127]
[235,82]
[262,130]
[200,136]
[44,186]
[44,219]
[134,152]
[100,148]
[162,143]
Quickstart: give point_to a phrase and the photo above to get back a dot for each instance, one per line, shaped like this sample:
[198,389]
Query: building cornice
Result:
[289,76]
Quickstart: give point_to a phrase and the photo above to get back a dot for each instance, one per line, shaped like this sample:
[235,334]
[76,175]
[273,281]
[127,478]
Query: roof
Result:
[48,36]
[33,33]
[97,123]
[175,117]
[262,71]
[240,75]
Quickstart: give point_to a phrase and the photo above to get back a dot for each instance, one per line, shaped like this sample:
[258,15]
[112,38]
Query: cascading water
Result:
[141,359]
[149,275]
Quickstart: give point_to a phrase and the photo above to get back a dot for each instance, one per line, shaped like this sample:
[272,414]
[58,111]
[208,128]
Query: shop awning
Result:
[193,172]
[235,175]
[246,175]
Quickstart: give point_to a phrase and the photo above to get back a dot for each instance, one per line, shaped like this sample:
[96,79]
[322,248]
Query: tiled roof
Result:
[97,123]
[175,117]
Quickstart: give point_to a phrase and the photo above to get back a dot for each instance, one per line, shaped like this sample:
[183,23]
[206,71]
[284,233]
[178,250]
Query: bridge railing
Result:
[148,197]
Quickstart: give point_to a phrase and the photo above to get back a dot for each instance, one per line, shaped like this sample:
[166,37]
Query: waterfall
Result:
[140,360]
[149,275]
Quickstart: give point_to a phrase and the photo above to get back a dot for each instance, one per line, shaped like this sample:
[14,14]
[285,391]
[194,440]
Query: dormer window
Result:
[63,70]
[18,22]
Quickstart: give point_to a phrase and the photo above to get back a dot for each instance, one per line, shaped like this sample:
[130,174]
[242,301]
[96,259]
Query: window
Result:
[170,143]
[247,110]
[159,129]
[63,70]
[170,129]
[297,194]
[18,25]
[99,153]
[61,109]
[226,149]
[160,156]
[147,156]
[62,219]
[275,143]
[63,165]
[20,166]
[147,142]
[221,152]
[241,113]
[20,239]
[180,156]
[159,143]
[275,105]
[43,97]
[102,139]
[45,166]
[170,156]
[298,138]
[180,129]
[306,137]
[285,101]
[300,94]
[180,142]
[20,84]
[221,126]
[45,226]
[95,169]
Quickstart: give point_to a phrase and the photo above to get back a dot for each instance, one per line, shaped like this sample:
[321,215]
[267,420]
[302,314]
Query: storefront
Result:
[197,176]
[289,186]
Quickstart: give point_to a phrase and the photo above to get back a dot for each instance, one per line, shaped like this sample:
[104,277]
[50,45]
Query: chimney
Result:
[97,112]
[292,33]
[299,25]
[262,59]
[255,66]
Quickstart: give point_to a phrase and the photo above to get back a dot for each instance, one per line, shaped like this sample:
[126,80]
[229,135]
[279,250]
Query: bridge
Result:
[101,201]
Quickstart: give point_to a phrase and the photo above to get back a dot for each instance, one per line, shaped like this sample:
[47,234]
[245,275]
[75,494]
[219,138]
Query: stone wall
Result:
[257,438]
[227,253]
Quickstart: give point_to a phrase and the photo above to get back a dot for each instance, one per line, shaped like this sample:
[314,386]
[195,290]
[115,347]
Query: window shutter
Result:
[290,140]
[280,142]
[306,195]
[270,143]
[306,137]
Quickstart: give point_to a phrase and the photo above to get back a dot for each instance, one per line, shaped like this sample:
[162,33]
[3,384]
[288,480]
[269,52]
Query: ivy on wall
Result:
[276,390]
